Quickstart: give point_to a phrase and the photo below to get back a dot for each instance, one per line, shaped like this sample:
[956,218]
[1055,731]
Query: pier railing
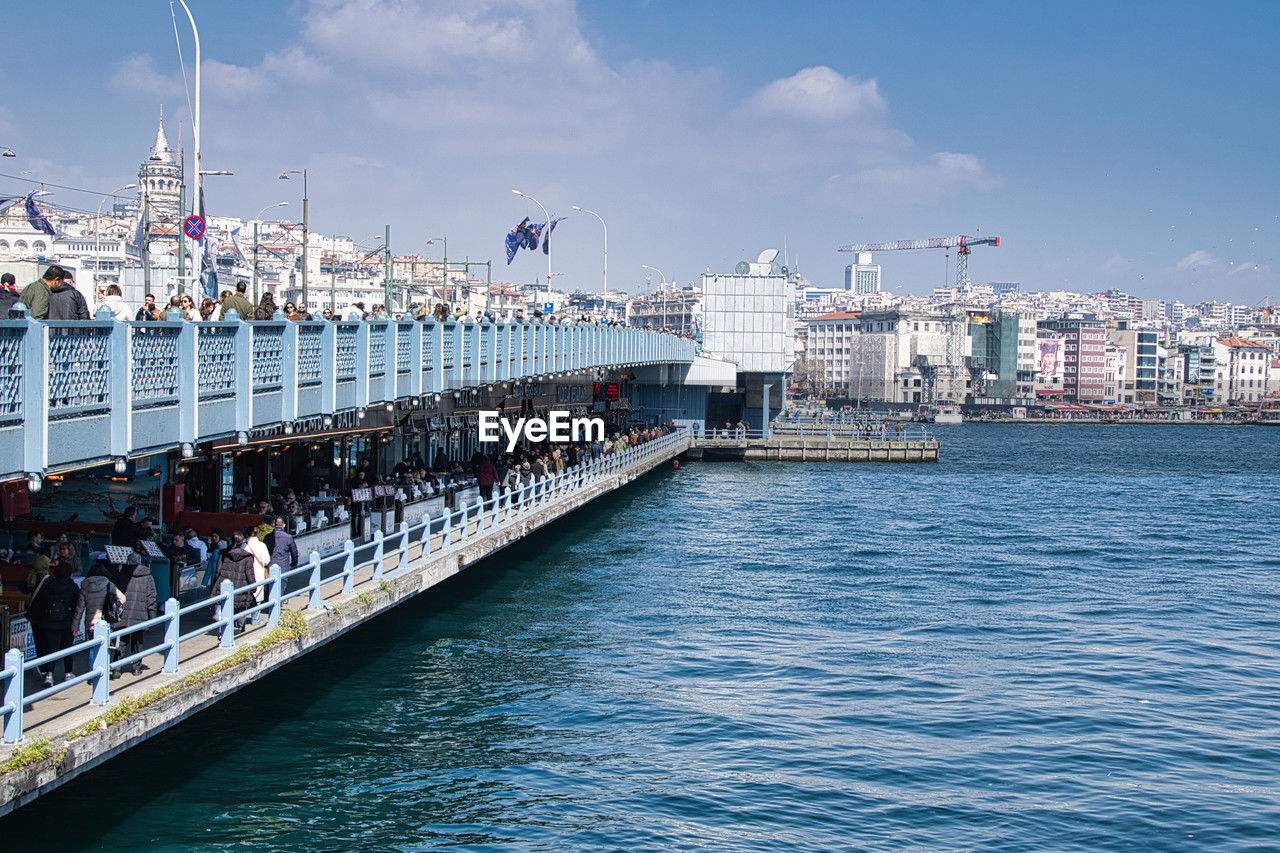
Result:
[74,394]
[830,432]
[433,536]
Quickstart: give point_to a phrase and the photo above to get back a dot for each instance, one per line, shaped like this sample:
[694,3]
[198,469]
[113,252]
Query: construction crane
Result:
[954,366]
[962,244]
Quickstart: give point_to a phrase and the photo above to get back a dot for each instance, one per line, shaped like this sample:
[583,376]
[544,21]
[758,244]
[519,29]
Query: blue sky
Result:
[1110,145]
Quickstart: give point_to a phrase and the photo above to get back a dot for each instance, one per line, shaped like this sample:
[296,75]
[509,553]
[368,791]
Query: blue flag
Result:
[36,218]
[514,240]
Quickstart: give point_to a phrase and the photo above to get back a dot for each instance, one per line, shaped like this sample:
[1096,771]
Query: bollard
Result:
[404,546]
[171,634]
[274,593]
[13,661]
[227,615]
[348,567]
[315,603]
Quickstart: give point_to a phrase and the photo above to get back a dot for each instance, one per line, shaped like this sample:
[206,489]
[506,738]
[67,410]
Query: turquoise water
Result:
[1060,638]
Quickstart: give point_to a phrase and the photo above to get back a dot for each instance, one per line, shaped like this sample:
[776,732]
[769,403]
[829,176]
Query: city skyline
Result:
[1108,150]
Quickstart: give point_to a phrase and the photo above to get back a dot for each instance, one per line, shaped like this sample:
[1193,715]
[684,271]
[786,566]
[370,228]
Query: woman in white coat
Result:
[261,559]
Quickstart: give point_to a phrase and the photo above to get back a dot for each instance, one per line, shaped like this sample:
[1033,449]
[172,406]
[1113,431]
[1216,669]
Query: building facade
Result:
[1084,342]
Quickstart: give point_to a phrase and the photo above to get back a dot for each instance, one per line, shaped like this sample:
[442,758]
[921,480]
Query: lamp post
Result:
[284,176]
[97,232]
[663,323]
[604,294]
[182,203]
[444,267]
[195,124]
[548,236]
[7,151]
[256,220]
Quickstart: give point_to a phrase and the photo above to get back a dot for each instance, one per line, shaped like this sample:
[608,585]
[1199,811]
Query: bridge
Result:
[77,394]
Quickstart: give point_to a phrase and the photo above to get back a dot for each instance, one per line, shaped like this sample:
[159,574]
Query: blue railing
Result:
[871,431]
[453,528]
[82,393]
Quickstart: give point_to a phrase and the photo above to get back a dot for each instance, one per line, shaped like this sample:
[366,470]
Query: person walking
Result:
[50,615]
[99,599]
[281,546]
[139,606]
[261,559]
[486,478]
[236,565]
[266,309]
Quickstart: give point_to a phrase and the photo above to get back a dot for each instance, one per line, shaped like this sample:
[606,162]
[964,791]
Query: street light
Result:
[195,133]
[97,231]
[8,152]
[444,266]
[604,296]
[284,176]
[256,220]
[548,236]
[663,323]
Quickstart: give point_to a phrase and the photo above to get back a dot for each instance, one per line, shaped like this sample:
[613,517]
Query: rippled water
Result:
[1057,638]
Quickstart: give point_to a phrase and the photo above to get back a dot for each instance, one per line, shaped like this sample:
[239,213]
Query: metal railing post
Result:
[313,580]
[379,540]
[404,546]
[101,663]
[171,635]
[348,567]
[275,594]
[444,528]
[462,518]
[227,615]
[13,662]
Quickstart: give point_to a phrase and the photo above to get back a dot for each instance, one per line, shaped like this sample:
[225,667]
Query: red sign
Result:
[193,227]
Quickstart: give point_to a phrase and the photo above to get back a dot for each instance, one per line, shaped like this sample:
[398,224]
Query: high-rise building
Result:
[862,276]
[1084,356]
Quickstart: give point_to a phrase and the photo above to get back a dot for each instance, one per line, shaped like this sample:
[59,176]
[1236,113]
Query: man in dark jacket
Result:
[66,302]
[238,302]
[236,565]
[283,548]
[127,532]
[50,613]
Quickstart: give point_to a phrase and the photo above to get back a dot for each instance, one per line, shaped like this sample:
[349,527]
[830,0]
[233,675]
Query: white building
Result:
[748,315]
[862,276]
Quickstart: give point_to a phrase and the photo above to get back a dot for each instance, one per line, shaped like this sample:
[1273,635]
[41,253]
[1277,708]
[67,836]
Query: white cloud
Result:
[819,93]
[138,77]
[1199,259]
[1116,266]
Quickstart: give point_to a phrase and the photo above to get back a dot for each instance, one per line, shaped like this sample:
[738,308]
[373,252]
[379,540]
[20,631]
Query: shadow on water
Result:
[152,770]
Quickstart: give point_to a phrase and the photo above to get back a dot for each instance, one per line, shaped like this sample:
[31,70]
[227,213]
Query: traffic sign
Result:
[548,307]
[193,227]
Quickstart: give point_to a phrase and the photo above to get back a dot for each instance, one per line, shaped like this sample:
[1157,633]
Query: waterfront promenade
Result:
[77,725]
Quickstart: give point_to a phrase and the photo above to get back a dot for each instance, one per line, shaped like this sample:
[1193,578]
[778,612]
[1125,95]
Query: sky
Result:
[1109,145]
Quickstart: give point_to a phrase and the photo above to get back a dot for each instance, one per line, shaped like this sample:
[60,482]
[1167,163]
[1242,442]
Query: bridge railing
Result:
[83,393]
[435,535]
[814,432]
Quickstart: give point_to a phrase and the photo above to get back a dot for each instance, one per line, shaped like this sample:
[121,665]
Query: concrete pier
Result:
[67,735]
[816,448]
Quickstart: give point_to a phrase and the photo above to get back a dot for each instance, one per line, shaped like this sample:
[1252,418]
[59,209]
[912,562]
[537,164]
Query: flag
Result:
[235,243]
[36,218]
[546,241]
[208,271]
[514,239]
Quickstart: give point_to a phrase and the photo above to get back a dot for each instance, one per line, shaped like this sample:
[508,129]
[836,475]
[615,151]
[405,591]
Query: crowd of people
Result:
[68,599]
[54,297]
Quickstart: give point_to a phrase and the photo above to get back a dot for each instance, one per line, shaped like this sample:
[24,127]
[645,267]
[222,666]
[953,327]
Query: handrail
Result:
[531,495]
[180,383]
